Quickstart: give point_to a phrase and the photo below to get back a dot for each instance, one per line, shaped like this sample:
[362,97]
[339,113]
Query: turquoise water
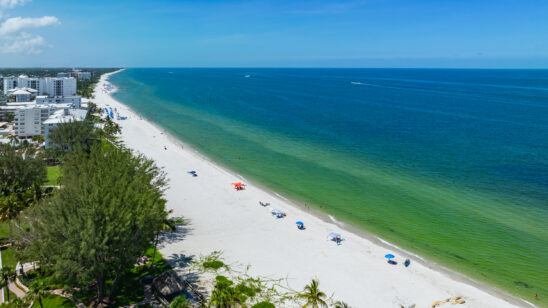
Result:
[451,164]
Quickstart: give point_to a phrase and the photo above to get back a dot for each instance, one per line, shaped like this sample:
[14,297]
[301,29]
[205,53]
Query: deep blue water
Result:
[425,158]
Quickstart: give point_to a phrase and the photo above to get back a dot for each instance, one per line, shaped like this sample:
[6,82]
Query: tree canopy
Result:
[73,135]
[103,219]
[19,171]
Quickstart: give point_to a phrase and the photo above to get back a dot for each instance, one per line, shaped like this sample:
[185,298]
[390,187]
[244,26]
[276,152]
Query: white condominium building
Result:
[29,119]
[63,86]
[51,86]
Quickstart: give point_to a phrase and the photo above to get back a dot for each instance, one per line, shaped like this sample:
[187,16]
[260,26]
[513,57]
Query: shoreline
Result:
[326,219]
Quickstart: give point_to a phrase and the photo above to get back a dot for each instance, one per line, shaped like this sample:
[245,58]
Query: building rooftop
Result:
[20,92]
[29,90]
[66,115]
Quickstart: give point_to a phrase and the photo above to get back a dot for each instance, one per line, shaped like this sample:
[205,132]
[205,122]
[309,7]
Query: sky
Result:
[296,33]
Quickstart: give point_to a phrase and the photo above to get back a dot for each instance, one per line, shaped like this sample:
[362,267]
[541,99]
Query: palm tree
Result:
[313,296]
[13,139]
[169,225]
[341,304]
[37,292]
[179,302]
[7,274]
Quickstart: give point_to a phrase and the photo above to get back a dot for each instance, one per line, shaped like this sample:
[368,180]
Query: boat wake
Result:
[362,84]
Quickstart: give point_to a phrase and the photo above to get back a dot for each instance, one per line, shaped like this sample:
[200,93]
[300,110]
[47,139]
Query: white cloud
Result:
[13,35]
[16,24]
[23,43]
[9,4]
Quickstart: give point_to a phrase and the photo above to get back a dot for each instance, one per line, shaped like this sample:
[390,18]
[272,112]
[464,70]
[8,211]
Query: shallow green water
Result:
[450,164]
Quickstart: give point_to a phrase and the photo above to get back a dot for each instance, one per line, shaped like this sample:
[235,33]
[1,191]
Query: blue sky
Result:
[376,33]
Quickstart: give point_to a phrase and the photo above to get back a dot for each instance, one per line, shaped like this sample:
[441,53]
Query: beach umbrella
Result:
[300,223]
[192,172]
[389,256]
[334,235]
[238,184]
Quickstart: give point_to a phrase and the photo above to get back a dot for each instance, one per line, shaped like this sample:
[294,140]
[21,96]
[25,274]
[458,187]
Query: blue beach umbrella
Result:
[389,256]
[300,223]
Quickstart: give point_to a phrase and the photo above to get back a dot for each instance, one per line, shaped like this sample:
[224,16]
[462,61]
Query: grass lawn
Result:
[53,173]
[4,231]
[8,257]
[54,301]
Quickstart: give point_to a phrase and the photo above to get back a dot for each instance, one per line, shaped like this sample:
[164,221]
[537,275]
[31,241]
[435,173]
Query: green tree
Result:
[168,225]
[72,135]
[21,174]
[103,219]
[341,304]
[263,305]
[179,302]
[313,296]
[92,107]
[37,291]
[38,139]
[7,275]
[14,140]
[11,207]
[18,302]
[111,128]
[9,116]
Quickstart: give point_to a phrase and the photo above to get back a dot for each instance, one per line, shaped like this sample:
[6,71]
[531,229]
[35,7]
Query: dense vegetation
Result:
[102,220]
[89,233]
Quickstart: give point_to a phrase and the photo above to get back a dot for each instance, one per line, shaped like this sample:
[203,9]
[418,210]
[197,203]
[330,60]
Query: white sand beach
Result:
[223,219]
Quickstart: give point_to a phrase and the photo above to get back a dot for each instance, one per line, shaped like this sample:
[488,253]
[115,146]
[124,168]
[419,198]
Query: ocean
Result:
[449,164]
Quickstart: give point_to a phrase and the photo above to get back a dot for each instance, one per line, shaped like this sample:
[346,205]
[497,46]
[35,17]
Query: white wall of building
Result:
[75,101]
[52,86]
[63,86]
[27,122]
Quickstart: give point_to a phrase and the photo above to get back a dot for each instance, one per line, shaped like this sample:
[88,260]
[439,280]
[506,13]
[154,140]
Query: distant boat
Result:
[247,76]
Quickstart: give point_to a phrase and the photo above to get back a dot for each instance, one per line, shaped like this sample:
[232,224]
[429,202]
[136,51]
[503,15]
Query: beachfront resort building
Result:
[50,86]
[29,119]
[37,105]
